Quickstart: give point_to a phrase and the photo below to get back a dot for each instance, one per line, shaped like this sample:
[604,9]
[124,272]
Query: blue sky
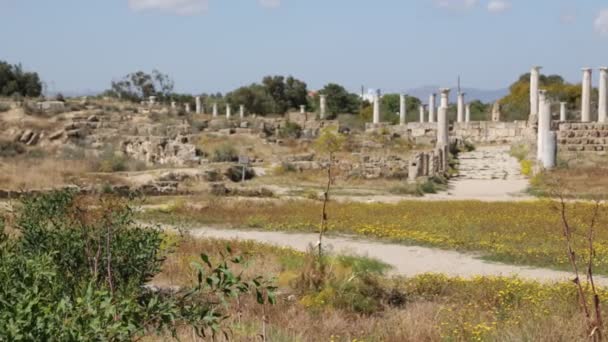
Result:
[218,45]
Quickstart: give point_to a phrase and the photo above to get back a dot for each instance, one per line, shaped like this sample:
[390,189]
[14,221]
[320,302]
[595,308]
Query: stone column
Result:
[228,111]
[544,122]
[549,150]
[602,113]
[421,115]
[586,98]
[302,109]
[215,109]
[562,111]
[442,127]
[152,100]
[187,107]
[534,82]
[376,116]
[242,112]
[432,107]
[198,104]
[460,106]
[445,97]
[173,104]
[402,109]
[467,115]
[322,106]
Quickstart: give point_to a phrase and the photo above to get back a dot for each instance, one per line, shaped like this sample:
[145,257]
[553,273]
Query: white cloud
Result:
[270,3]
[601,22]
[497,6]
[455,4]
[180,7]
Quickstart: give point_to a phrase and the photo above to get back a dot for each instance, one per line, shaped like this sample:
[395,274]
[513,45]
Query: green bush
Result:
[77,271]
[10,149]
[290,130]
[225,153]
[4,108]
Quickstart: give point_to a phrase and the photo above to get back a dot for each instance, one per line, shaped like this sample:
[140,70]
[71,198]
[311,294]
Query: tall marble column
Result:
[402,109]
[460,107]
[432,107]
[442,127]
[467,115]
[302,109]
[376,118]
[534,101]
[563,114]
[544,122]
[421,115]
[242,112]
[322,106]
[228,111]
[602,113]
[215,109]
[198,104]
[586,97]
[445,97]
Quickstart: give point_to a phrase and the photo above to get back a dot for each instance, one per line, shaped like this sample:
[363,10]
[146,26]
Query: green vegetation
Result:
[75,269]
[4,108]
[16,82]
[225,153]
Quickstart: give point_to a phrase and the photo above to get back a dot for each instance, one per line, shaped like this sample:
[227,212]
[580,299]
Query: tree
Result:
[275,86]
[139,85]
[14,81]
[339,100]
[254,97]
[296,93]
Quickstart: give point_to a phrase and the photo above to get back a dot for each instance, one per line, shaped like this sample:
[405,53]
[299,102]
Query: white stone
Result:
[376,115]
[198,104]
[421,115]
[187,107]
[302,109]
[602,113]
[445,97]
[544,122]
[242,112]
[460,107]
[534,100]
[402,109]
[215,111]
[432,107]
[152,100]
[322,106]
[467,116]
[563,114]
[586,97]
[228,111]
[442,127]
[549,150]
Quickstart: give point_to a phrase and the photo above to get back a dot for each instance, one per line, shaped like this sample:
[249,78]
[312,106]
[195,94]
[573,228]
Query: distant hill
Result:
[483,95]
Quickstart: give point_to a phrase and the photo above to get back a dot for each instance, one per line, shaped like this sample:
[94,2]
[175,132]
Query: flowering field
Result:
[525,233]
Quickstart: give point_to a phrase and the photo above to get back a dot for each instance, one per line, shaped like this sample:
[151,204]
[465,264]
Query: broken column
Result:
[421,115]
[242,112]
[563,115]
[534,101]
[187,107]
[198,104]
[432,107]
[215,110]
[152,100]
[322,106]
[460,107]
[602,113]
[544,122]
[302,109]
[586,97]
[376,116]
[467,115]
[549,150]
[445,97]
[228,111]
[402,109]
[173,104]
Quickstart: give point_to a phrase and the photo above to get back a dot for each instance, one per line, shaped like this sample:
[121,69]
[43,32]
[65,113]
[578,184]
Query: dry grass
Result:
[23,174]
[430,307]
[583,182]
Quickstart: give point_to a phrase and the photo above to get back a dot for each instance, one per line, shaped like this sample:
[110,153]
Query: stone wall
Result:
[583,137]
[488,132]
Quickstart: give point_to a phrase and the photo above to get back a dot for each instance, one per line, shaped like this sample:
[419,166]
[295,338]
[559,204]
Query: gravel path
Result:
[406,260]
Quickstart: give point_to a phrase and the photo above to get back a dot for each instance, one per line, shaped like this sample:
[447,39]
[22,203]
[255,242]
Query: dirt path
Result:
[406,260]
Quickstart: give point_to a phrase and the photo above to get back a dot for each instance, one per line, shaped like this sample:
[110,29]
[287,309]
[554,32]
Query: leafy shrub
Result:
[10,149]
[235,173]
[78,269]
[519,151]
[4,108]
[526,167]
[225,153]
[290,130]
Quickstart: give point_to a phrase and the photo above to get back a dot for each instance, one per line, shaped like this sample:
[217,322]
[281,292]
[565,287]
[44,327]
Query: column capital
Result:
[462,93]
[537,68]
[586,69]
[444,90]
[603,69]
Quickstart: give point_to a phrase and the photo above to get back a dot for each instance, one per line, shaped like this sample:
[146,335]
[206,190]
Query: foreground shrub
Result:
[77,271]
[225,153]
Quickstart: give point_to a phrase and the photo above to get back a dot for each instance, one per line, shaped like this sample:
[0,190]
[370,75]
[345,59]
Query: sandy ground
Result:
[406,260]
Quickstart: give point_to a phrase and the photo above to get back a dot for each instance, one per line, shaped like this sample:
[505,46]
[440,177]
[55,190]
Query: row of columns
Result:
[587,88]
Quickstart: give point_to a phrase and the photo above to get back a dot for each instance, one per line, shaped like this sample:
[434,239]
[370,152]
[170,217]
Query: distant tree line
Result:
[15,81]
